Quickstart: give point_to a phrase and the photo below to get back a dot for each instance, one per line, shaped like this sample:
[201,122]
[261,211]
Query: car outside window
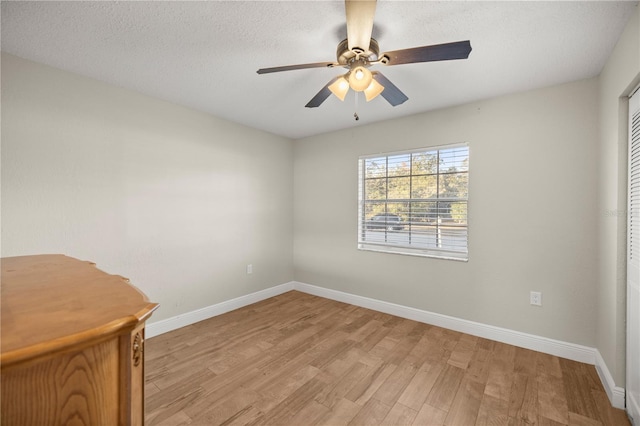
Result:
[415,202]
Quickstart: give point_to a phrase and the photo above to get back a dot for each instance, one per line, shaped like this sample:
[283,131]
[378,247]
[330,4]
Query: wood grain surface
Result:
[74,302]
[76,388]
[298,359]
[69,337]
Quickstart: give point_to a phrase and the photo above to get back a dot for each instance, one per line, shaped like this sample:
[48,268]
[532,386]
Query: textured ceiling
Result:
[205,55]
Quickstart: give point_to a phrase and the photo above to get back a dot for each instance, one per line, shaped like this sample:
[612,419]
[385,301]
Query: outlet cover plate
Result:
[535,298]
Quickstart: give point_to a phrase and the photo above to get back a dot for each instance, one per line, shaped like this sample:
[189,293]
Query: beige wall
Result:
[177,200]
[181,202]
[618,78]
[532,213]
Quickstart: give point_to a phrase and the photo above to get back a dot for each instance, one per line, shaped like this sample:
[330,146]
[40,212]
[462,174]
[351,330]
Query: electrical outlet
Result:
[249,269]
[535,298]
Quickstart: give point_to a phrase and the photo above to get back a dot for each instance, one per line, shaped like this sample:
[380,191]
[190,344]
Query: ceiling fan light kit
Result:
[358,52]
[373,90]
[340,87]
[360,78]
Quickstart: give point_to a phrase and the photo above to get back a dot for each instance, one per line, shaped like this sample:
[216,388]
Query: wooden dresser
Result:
[72,340]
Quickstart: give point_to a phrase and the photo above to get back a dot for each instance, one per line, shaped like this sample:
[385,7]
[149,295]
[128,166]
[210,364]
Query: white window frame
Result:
[440,253]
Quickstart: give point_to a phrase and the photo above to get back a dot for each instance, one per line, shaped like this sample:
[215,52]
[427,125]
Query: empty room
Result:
[320,212]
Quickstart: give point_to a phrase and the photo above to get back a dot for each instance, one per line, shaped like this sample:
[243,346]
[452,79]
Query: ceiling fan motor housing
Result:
[346,56]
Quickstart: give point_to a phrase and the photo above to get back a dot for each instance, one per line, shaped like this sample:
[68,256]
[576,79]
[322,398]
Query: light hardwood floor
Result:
[298,359]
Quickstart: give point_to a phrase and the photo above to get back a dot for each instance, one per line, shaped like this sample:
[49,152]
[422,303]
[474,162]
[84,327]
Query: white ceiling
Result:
[205,55]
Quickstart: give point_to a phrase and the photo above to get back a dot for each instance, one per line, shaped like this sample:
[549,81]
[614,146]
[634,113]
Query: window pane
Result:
[423,213]
[375,189]
[459,212]
[454,185]
[400,165]
[372,209]
[444,211]
[424,236]
[452,238]
[399,209]
[424,186]
[454,160]
[399,187]
[425,163]
[375,167]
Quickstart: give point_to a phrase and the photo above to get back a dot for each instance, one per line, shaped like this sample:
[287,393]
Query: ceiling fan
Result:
[359,52]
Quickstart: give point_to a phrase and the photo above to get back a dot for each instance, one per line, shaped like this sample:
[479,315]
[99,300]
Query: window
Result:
[415,202]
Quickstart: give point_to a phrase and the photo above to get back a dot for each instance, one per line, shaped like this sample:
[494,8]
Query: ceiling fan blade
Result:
[437,52]
[359,22]
[391,93]
[322,95]
[297,67]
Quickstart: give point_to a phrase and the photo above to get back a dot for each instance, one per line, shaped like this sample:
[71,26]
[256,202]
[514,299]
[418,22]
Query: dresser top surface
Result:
[50,302]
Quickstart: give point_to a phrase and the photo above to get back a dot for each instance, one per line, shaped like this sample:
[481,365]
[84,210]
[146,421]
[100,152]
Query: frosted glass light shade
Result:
[373,90]
[360,78]
[340,87]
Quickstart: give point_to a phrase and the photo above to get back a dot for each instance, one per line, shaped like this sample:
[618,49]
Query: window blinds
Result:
[415,202]
[633,262]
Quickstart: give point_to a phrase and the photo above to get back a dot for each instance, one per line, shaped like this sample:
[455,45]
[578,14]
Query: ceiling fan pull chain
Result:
[355,114]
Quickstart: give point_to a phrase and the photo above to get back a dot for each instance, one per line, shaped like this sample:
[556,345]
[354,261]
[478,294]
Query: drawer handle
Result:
[137,350]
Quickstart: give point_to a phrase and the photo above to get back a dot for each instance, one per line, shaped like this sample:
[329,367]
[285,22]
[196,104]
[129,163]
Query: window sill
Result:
[435,254]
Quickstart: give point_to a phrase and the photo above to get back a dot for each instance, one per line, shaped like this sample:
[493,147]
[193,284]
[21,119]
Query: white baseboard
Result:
[559,348]
[615,393]
[529,341]
[156,328]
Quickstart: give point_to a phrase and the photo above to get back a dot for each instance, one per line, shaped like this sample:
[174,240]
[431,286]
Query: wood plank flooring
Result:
[298,359]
